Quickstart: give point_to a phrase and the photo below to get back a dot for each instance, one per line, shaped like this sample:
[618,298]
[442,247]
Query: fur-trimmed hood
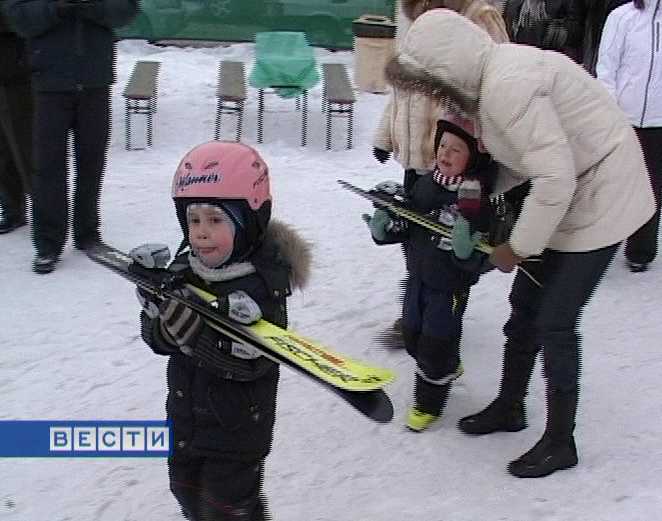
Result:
[442,56]
[292,249]
[544,118]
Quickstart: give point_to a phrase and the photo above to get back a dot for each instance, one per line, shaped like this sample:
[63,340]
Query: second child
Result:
[442,271]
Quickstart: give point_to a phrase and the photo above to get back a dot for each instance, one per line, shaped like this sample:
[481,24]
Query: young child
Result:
[222,395]
[441,270]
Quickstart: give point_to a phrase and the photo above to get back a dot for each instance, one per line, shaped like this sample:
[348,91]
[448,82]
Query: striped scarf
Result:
[448,182]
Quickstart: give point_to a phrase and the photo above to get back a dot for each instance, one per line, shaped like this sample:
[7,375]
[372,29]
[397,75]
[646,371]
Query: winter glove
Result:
[381,155]
[469,198]
[151,255]
[463,240]
[180,322]
[390,188]
[242,308]
[555,36]
[148,301]
[380,224]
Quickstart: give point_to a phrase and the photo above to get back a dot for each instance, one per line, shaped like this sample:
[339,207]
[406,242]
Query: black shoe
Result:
[397,325]
[637,267]
[44,263]
[545,457]
[500,415]
[9,223]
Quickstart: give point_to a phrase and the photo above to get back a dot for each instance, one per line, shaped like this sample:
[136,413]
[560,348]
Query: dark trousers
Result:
[547,317]
[641,246]
[212,489]
[15,147]
[86,114]
[432,327]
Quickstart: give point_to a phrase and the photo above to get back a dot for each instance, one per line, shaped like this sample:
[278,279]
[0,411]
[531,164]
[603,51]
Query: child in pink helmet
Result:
[221,394]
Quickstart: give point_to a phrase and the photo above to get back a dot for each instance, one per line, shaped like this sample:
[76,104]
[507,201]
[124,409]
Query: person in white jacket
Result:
[545,119]
[630,66]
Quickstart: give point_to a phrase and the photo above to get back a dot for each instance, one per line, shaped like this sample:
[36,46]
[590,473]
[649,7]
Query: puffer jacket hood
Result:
[449,65]
[408,122]
[544,119]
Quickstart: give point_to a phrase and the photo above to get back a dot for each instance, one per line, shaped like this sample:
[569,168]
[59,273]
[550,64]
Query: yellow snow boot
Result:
[418,421]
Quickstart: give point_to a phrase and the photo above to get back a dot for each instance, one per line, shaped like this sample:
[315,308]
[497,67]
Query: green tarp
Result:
[283,60]
[327,23]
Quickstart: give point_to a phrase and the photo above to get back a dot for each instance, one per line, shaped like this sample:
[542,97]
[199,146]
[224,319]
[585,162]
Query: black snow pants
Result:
[547,317]
[641,246]
[86,113]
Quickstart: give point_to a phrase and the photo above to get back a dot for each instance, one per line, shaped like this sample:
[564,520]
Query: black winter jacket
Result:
[438,268]
[13,55]
[570,13]
[72,53]
[221,405]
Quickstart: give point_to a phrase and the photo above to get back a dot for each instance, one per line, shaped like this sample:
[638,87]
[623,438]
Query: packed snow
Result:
[71,348]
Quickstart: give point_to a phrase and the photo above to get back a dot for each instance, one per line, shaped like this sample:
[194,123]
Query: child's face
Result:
[452,155]
[210,233]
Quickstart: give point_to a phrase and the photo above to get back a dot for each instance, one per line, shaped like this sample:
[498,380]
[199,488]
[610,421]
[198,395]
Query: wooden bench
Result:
[337,99]
[140,94]
[230,94]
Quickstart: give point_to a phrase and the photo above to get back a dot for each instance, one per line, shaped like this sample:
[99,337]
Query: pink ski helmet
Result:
[230,175]
[223,170]
[466,129]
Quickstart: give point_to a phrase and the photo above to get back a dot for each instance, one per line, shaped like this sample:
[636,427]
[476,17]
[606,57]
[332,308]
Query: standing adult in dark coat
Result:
[72,54]
[15,128]
[555,25]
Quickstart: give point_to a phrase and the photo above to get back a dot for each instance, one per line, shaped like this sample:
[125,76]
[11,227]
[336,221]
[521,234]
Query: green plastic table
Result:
[286,63]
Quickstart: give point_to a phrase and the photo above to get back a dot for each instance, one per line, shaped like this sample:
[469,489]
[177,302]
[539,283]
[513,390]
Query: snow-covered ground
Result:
[70,348]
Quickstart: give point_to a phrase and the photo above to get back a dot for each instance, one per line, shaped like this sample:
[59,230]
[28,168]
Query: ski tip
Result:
[375,405]
[383,411]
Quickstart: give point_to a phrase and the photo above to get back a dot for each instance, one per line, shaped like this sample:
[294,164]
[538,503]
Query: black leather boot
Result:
[46,263]
[506,413]
[9,222]
[556,449]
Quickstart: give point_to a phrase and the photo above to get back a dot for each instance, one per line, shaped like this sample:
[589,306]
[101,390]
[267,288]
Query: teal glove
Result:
[380,224]
[463,240]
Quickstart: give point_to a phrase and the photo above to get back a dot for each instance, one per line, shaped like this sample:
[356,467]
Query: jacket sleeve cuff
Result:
[150,331]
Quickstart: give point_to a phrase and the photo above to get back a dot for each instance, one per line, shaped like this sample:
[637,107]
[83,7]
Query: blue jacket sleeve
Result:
[112,13]
[31,18]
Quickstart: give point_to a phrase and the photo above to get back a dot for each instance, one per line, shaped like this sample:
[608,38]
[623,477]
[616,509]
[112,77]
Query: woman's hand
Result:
[504,258]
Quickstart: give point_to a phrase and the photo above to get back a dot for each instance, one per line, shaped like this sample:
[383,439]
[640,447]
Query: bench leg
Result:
[324,102]
[260,115]
[240,119]
[350,125]
[127,123]
[217,125]
[304,118]
[328,126]
[150,126]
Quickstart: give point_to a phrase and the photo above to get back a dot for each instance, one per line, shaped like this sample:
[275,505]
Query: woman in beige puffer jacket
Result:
[408,123]
[548,121]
